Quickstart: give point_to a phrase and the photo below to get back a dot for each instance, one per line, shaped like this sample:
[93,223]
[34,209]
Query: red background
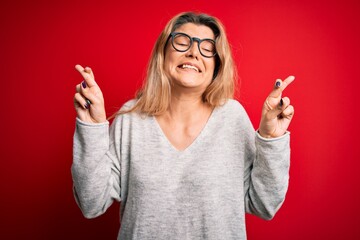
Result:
[40,42]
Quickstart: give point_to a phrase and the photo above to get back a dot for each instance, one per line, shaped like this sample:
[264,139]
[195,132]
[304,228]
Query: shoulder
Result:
[233,107]
[128,114]
[128,105]
[123,114]
[233,113]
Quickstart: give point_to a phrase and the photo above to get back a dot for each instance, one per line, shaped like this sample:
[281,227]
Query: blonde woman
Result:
[182,157]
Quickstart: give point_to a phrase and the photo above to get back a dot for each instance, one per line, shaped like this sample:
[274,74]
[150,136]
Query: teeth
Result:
[189,66]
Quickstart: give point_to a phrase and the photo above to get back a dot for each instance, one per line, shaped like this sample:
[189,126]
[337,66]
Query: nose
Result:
[193,50]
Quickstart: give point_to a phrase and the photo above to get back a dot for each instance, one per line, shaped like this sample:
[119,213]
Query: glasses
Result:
[183,42]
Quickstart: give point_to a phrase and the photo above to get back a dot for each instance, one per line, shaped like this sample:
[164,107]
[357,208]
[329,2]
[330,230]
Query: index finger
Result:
[286,82]
[87,74]
[281,85]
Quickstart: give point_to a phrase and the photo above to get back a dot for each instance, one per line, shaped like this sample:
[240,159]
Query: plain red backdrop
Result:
[41,41]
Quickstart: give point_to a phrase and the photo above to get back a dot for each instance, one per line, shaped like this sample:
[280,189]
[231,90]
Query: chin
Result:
[194,85]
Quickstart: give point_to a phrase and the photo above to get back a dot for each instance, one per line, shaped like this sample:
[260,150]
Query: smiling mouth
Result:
[187,66]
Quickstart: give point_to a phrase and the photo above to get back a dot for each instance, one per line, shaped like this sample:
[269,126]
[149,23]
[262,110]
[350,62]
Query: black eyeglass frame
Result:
[192,39]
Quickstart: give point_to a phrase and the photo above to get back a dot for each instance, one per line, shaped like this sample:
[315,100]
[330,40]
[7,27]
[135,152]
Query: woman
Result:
[182,158]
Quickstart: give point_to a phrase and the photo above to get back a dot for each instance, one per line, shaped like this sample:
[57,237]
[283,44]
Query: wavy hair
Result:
[154,97]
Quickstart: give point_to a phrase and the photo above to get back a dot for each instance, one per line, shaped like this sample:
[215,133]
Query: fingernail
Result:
[86,105]
[278,83]
[281,103]
[88,102]
[83,84]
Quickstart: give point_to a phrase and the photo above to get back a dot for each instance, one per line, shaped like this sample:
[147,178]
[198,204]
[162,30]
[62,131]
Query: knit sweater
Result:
[202,192]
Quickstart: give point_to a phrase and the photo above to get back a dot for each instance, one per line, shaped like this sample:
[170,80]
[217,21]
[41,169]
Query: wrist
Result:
[264,135]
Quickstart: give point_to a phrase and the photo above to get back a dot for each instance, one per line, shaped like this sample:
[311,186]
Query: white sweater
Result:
[201,192]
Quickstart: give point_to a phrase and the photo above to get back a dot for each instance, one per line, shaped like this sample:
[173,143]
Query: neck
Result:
[186,107]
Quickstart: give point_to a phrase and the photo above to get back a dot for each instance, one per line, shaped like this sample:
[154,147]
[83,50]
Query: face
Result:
[190,70]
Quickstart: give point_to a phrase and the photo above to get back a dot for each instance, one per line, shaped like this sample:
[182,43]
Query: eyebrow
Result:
[214,39]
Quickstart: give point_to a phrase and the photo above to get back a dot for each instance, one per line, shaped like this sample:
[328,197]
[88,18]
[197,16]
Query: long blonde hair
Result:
[154,97]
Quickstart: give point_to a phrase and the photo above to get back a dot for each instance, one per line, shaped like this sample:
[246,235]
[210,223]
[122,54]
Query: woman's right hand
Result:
[88,100]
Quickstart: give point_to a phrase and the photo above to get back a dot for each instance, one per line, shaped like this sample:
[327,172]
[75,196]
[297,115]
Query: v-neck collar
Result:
[196,141]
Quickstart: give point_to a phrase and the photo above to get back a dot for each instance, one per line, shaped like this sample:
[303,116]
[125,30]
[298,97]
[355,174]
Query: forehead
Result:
[194,30]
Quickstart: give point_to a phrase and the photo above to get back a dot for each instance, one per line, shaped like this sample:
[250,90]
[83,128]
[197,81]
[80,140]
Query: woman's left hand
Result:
[277,111]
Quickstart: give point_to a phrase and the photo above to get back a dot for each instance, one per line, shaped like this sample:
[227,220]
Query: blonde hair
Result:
[155,95]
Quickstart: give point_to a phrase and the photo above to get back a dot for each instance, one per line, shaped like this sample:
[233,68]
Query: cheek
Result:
[211,67]
[169,61]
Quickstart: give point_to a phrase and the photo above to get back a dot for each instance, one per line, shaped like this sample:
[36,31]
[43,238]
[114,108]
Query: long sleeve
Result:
[201,192]
[267,175]
[96,167]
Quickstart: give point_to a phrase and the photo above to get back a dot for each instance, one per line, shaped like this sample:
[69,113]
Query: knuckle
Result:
[96,101]
[84,91]
[86,77]
[78,97]
[289,110]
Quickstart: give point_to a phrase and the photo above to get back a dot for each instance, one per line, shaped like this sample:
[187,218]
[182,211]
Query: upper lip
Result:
[191,64]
